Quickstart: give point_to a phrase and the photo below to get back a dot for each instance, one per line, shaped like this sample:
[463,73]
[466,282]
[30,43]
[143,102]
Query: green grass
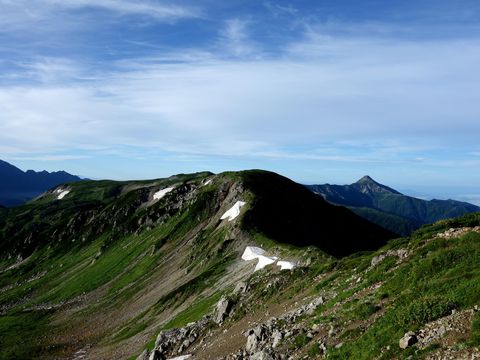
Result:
[21,334]
[438,278]
[475,335]
[194,312]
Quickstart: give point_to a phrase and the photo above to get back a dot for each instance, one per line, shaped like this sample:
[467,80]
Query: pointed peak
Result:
[366,179]
[371,185]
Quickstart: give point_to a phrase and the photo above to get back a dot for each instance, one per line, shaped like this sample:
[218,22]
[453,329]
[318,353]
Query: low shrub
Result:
[426,309]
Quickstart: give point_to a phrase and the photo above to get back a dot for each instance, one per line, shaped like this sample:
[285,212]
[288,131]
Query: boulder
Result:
[222,310]
[377,259]
[276,338]
[262,355]
[156,355]
[407,340]
[143,355]
[252,343]
[240,288]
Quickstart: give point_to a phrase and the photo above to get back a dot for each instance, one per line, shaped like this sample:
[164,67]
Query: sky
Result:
[321,91]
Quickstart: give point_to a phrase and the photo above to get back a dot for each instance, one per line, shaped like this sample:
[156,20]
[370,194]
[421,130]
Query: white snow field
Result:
[161,193]
[208,182]
[61,193]
[253,252]
[286,265]
[234,211]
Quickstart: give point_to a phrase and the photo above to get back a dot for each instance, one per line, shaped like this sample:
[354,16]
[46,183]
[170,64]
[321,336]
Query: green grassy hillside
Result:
[107,266]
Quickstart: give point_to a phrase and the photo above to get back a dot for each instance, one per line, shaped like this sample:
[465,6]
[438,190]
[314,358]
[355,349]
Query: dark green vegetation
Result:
[388,208]
[17,186]
[107,266]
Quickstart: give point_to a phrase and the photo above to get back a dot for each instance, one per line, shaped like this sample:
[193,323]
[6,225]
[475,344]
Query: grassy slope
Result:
[115,271]
[438,276]
[69,270]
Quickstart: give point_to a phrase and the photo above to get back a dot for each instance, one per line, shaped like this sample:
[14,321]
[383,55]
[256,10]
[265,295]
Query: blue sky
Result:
[320,91]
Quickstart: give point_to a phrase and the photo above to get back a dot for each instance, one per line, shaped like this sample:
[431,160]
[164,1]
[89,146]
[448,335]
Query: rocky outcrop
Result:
[175,341]
[454,233]
[222,310]
[407,340]
[264,338]
[454,325]
[401,254]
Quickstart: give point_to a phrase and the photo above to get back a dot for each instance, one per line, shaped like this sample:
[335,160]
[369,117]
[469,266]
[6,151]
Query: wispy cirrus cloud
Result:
[323,89]
[21,13]
[235,38]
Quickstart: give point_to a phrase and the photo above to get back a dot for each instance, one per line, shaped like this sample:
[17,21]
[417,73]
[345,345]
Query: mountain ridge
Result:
[161,268]
[17,186]
[149,246]
[388,207]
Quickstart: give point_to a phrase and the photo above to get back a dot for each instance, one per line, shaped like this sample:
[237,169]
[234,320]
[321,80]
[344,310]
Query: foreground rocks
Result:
[175,341]
[407,340]
[222,310]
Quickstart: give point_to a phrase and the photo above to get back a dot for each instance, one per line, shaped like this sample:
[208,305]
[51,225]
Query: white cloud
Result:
[161,11]
[61,14]
[322,90]
[236,39]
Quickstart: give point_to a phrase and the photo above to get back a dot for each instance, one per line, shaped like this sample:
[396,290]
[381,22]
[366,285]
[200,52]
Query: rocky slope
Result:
[389,208]
[160,270]
[95,269]
[17,186]
[397,303]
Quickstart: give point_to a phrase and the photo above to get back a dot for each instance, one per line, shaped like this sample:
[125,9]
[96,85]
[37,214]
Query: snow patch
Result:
[61,193]
[234,211]
[183,357]
[253,252]
[161,193]
[286,265]
[208,182]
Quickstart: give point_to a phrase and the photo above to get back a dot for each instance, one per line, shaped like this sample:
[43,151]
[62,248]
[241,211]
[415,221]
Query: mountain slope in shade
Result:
[389,208]
[17,187]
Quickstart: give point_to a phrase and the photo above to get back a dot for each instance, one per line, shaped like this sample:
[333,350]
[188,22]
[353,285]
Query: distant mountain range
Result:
[17,186]
[389,208]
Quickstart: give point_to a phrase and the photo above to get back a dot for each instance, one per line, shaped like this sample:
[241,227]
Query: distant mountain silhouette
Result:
[389,208]
[17,186]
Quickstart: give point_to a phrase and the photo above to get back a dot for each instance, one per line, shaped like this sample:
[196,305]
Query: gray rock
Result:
[222,310]
[144,355]
[277,338]
[252,343]
[407,340]
[240,288]
[262,355]
[156,355]
[377,259]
